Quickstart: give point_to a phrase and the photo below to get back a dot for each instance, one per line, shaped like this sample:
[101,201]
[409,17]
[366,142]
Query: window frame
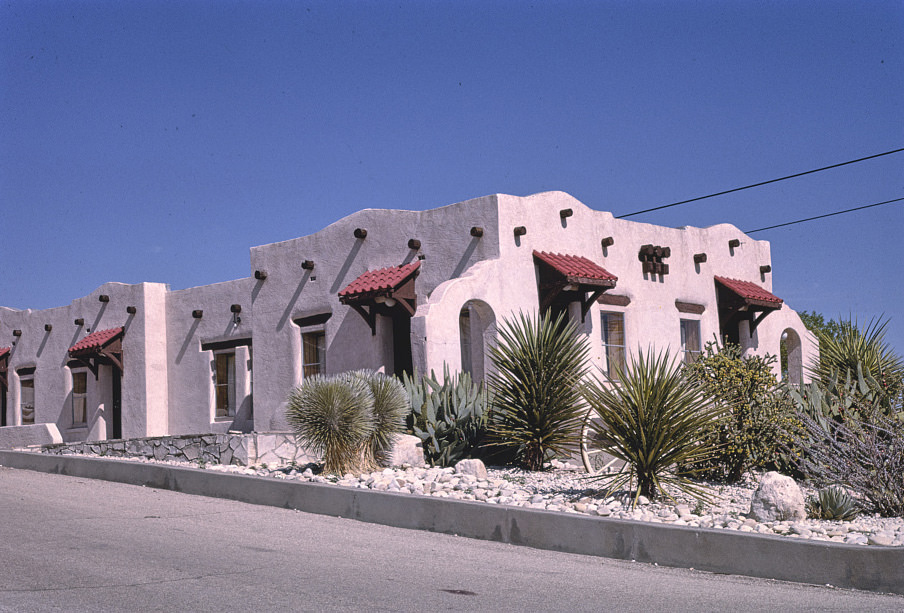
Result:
[318,332]
[689,356]
[611,349]
[30,378]
[83,396]
[230,385]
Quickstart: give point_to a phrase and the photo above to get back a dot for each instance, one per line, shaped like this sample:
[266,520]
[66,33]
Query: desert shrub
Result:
[650,415]
[350,418]
[757,417]
[449,417]
[865,456]
[537,404]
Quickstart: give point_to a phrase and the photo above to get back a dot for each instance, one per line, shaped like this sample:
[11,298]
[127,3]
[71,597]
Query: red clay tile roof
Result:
[94,341]
[383,279]
[749,291]
[3,351]
[576,268]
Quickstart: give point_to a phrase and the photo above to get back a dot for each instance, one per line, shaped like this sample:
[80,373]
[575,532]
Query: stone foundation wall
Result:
[271,448]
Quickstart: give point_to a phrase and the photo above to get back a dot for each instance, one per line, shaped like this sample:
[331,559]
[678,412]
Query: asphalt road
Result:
[70,544]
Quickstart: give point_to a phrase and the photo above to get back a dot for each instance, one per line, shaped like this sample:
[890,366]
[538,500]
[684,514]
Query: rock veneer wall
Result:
[276,448]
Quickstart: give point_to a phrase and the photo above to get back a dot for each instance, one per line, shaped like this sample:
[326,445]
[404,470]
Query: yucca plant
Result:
[850,350]
[540,363]
[333,416]
[390,407]
[650,415]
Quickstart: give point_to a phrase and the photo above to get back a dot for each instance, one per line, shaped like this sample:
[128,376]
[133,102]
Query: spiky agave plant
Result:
[537,404]
[836,503]
[390,408]
[332,416]
[650,415]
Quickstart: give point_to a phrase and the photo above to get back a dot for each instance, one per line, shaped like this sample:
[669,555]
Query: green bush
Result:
[540,363]
[449,417]
[650,415]
[350,418]
[757,419]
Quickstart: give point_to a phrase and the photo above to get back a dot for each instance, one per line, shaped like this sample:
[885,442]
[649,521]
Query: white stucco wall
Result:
[289,292]
[144,399]
[190,368]
[167,387]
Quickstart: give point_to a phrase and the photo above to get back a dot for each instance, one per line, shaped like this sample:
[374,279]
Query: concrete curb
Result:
[873,568]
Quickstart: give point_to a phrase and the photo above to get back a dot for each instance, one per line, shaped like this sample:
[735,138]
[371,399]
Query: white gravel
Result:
[566,489]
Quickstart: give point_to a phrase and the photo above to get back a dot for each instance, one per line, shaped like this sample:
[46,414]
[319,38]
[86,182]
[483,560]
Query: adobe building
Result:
[387,290]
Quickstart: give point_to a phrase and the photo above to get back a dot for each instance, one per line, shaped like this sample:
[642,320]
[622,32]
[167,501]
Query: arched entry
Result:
[792,357]
[477,328]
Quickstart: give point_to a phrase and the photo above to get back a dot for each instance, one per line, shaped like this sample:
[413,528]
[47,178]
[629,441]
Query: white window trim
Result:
[608,310]
[684,351]
[316,329]
[232,408]
[34,408]
[80,424]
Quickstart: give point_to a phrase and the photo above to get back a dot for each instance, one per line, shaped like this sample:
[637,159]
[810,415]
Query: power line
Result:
[791,223]
[737,189]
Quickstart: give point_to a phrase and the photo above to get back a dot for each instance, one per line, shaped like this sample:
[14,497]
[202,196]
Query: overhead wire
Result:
[737,189]
[791,223]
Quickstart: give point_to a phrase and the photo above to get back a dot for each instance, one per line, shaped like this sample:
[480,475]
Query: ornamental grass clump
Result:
[650,415]
[351,418]
[537,405]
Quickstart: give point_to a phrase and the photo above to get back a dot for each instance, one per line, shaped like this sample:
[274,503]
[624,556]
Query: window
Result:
[224,383]
[613,341]
[79,398]
[313,349]
[27,399]
[690,340]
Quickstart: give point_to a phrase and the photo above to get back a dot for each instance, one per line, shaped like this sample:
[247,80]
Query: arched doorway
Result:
[791,357]
[477,329]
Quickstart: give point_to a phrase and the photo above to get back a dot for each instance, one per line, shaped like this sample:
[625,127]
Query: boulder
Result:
[778,498]
[407,449]
[471,467]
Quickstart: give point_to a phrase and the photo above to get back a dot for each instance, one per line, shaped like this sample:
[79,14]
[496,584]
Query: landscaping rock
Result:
[409,449]
[471,467]
[778,498]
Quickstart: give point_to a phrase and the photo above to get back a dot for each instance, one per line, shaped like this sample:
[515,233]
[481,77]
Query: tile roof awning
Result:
[98,347]
[569,278]
[744,301]
[382,290]
[4,364]
[751,293]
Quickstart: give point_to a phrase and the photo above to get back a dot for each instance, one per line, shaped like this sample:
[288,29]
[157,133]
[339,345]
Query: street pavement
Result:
[72,544]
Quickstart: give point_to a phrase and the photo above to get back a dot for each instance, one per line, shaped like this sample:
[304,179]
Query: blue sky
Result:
[159,141]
